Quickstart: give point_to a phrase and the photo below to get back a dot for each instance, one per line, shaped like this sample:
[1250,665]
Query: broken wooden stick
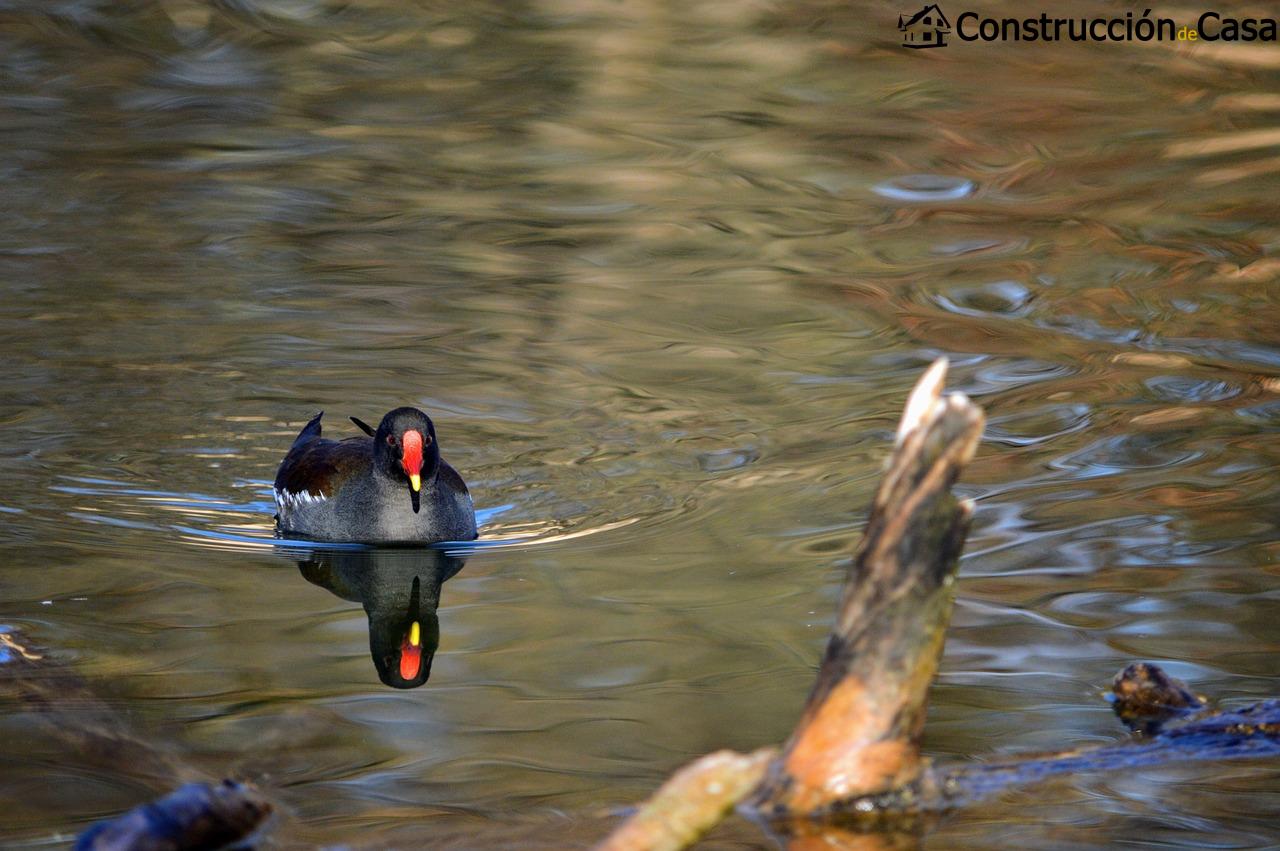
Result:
[859,734]
[860,730]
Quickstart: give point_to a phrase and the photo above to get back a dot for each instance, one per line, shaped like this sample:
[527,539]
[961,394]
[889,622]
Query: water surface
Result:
[662,274]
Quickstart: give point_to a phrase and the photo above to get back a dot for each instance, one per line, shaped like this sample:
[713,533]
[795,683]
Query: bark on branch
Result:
[860,730]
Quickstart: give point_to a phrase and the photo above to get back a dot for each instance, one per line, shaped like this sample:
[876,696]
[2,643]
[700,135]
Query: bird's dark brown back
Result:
[320,466]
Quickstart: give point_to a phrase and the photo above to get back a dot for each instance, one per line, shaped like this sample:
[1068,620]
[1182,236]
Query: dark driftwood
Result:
[196,817]
[1253,731]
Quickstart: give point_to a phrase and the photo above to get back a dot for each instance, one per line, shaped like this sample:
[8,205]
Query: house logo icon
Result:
[926,28]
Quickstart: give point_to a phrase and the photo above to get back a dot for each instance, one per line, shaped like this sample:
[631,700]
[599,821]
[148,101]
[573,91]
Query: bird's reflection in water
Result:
[400,590]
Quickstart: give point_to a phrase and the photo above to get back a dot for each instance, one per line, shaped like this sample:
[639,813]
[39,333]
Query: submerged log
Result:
[860,730]
[1172,723]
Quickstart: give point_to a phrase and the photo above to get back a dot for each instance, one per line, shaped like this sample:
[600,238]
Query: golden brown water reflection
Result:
[662,273]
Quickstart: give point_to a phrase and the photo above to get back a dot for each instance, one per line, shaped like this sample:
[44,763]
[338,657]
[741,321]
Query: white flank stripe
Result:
[289,500]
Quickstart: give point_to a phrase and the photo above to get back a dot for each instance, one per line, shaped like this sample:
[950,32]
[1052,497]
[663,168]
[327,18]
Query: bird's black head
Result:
[404,447]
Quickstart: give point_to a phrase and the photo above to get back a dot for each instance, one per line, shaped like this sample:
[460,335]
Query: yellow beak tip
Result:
[415,635]
[415,481]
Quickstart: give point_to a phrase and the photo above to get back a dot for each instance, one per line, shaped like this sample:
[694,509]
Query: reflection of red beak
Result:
[411,459]
[411,653]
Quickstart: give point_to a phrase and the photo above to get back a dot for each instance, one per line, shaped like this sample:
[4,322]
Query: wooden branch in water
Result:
[860,730]
[692,801]
[1172,722]
[1253,731]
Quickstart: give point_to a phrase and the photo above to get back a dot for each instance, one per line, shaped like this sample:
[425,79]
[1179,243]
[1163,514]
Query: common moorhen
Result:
[390,487]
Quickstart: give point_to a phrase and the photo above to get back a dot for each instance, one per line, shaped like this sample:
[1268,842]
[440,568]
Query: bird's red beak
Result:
[411,459]
[411,653]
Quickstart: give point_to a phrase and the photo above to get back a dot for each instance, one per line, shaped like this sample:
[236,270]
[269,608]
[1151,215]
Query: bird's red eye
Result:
[391,440]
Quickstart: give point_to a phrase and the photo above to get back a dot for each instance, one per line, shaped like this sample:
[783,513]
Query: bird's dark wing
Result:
[319,467]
